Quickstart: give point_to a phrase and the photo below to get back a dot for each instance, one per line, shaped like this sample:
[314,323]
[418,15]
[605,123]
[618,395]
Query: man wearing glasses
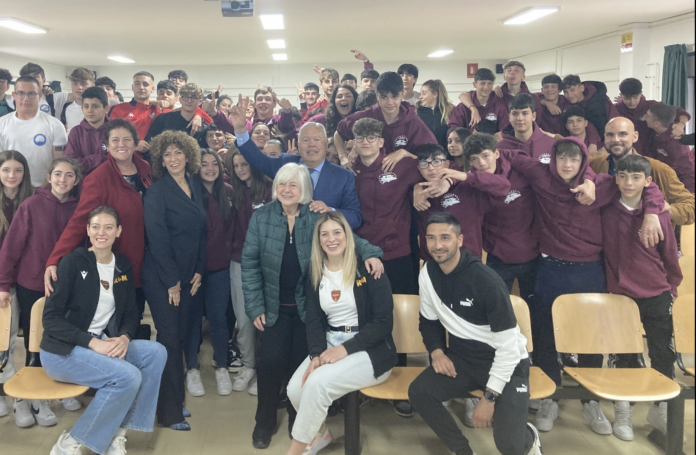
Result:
[190,96]
[35,134]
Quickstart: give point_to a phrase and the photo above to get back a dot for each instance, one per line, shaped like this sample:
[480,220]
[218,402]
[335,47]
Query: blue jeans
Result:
[216,293]
[554,280]
[127,390]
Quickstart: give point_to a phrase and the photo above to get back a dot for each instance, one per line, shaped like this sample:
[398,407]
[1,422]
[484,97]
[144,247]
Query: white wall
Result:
[53,72]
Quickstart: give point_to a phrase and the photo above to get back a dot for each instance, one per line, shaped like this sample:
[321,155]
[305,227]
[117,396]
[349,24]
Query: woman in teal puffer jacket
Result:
[275,259]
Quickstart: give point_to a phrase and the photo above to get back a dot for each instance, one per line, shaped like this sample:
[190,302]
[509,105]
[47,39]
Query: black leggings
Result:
[26,299]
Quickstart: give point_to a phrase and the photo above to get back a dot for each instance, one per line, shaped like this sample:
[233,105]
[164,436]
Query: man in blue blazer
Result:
[334,186]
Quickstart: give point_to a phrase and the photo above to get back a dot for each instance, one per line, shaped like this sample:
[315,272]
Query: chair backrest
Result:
[688,269]
[36,325]
[524,322]
[597,324]
[5,323]
[406,335]
[683,319]
[688,239]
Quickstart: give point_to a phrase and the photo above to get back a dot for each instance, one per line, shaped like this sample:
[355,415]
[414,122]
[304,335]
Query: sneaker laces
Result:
[246,373]
[195,376]
[622,416]
[596,411]
[44,406]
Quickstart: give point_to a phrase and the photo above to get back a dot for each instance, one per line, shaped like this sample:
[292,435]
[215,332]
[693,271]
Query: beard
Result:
[624,151]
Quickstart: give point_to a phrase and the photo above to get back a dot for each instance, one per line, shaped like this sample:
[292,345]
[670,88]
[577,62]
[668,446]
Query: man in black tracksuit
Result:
[486,350]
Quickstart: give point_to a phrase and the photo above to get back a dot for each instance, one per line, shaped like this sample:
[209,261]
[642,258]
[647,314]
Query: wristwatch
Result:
[490,396]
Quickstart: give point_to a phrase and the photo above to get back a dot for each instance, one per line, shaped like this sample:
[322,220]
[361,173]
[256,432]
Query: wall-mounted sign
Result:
[471,69]
[627,42]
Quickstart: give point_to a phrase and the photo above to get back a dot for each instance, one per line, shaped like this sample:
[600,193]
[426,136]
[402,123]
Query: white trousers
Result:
[327,384]
[9,369]
[246,336]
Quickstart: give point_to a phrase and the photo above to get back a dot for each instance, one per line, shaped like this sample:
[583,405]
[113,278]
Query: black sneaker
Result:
[403,408]
[261,439]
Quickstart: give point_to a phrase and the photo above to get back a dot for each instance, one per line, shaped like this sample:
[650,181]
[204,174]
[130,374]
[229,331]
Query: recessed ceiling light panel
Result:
[531,15]
[272,21]
[280,56]
[20,26]
[120,59]
[276,43]
[440,53]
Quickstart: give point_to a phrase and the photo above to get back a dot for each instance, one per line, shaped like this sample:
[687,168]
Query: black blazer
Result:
[373,299]
[70,308]
[175,229]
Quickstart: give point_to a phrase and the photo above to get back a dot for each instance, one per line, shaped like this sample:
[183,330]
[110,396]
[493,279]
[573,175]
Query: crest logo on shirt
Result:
[131,115]
[467,302]
[545,158]
[492,117]
[662,152]
[120,279]
[387,177]
[152,115]
[84,274]
[335,295]
[40,139]
[449,199]
[512,195]
[104,147]
[401,141]
[45,108]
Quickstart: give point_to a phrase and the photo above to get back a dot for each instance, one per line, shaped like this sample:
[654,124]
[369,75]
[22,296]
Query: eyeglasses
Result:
[30,95]
[189,98]
[434,163]
[371,138]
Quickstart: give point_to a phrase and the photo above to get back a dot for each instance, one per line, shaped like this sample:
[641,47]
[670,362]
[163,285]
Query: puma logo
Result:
[522,389]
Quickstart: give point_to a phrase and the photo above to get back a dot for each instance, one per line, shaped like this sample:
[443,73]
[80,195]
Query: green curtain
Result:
[674,75]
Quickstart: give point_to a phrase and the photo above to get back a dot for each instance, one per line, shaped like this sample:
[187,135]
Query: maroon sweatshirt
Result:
[8,211]
[507,97]
[241,224]
[407,132]
[670,151]
[495,110]
[553,123]
[632,269]
[636,116]
[385,202]
[569,230]
[219,231]
[86,145]
[469,201]
[508,229]
[538,146]
[35,229]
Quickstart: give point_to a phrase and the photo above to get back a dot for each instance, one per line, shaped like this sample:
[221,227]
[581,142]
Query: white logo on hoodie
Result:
[512,195]
[492,117]
[545,158]
[401,141]
[449,199]
[387,177]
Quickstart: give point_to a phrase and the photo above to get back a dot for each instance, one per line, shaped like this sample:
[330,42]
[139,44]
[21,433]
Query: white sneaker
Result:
[447,403]
[71,404]
[534,406]
[243,379]
[657,417]
[194,385]
[43,414]
[4,410]
[623,420]
[547,414]
[592,412]
[66,445]
[22,413]
[536,445]
[469,407]
[321,440]
[224,385]
[254,389]
[118,444]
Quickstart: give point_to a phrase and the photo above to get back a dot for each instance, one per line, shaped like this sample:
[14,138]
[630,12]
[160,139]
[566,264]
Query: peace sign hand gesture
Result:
[238,115]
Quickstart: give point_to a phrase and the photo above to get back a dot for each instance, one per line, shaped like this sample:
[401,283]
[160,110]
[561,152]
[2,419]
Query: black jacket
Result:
[596,107]
[71,307]
[373,299]
[433,120]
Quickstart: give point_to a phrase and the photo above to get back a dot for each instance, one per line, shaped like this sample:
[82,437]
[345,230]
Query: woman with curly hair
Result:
[341,106]
[174,259]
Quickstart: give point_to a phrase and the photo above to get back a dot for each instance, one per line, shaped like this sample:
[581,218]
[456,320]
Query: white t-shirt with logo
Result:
[35,140]
[107,304]
[43,103]
[337,300]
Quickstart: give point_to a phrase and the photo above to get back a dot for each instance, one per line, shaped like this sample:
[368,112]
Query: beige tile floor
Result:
[223,425]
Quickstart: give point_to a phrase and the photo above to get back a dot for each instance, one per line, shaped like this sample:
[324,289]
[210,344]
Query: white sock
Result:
[120,432]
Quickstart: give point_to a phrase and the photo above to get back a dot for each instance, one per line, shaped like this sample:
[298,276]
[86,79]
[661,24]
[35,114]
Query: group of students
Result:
[203,205]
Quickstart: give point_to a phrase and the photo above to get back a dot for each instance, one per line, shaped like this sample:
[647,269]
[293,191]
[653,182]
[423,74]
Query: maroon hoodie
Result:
[569,230]
[665,148]
[469,201]
[8,211]
[219,231]
[34,232]
[385,202]
[407,132]
[632,269]
[86,145]
[495,110]
[553,123]
[507,97]
[241,224]
[538,146]
[508,229]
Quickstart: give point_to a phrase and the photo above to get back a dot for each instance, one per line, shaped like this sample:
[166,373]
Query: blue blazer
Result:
[335,187]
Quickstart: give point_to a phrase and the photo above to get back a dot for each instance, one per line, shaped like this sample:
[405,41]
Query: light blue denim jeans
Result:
[127,390]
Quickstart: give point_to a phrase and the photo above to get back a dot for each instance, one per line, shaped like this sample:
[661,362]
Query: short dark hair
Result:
[96,93]
[478,143]
[28,79]
[178,74]
[570,80]
[315,111]
[634,163]
[408,68]
[368,126]
[630,86]
[311,86]
[5,75]
[390,83]
[146,74]
[32,68]
[522,101]
[448,219]
[430,150]
[105,81]
[486,126]
[484,74]
[106,210]
[462,132]
[219,98]
[574,111]
[119,96]
[168,85]
[120,123]
[366,100]
[372,74]
[515,63]
[568,148]
[664,113]
[553,79]
[348,77]
[263,90]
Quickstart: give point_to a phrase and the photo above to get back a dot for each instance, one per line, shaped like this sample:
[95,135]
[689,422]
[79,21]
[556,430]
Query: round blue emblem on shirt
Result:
[45,108]
[40,139]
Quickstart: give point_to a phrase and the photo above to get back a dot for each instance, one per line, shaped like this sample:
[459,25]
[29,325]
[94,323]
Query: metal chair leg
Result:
[675,426]
[352,423]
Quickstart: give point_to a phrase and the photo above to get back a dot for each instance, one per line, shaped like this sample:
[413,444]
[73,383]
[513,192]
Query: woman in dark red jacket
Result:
[120,183]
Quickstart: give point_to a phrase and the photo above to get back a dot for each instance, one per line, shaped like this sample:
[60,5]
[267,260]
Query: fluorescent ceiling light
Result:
[20,26]
[531,15]
[440,53]
[272,21]
[280,56]
[120,59]
[276,43]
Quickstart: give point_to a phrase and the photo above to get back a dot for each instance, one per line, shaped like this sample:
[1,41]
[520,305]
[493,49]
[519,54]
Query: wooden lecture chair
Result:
[5,326]
[684,335]
[688,240]
[688,269]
